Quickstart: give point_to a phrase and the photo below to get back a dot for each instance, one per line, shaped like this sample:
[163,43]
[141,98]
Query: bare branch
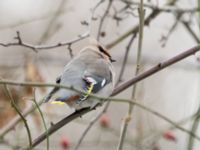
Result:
[90,125]
[192,33]
[165,38]
[127,119]
[81,112]
[103,18]
[59,124]
[125,59]
[42,116]
[135,29]
[117,90]
[20,114]
[168,9]
[35,48]
[156,68]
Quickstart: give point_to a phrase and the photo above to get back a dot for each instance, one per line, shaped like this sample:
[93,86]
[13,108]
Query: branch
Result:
[117,90]
[164,39]
[59,124]
[81,112]
[52,22]
[135,29]
[146,108]
[125,59]
[165,9]
[17,120]
[192,33]
[35,48]
[20,114]
[194,129]
[103,18]
[42,116]
[126,121]
[90,126]
[156,68]
[160,66]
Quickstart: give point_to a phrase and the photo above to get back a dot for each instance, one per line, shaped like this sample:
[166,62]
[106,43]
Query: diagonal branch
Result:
[81,112]
[117,90]
[156,69]
[60,124]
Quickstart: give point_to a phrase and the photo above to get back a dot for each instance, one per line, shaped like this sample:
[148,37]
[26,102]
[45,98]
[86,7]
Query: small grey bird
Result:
[90,71]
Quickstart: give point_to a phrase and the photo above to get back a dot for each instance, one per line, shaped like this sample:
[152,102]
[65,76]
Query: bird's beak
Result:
[112,60]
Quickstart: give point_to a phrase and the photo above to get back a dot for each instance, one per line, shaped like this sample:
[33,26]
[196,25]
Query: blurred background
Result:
[173,92]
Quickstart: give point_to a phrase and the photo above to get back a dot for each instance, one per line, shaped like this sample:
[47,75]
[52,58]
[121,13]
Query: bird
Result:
[92,72]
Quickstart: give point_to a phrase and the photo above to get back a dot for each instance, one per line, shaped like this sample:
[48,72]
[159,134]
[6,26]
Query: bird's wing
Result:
[88,77]
[96,77]
[71,77]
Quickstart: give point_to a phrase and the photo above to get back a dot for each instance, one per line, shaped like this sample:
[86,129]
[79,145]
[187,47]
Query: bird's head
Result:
[99,48]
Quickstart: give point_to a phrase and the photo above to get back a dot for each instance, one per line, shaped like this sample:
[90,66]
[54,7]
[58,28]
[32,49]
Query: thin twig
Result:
[125,59]
[126,121]
[43,120]
[135,29]
[159,133]
[192,33]
[168,9]
[196,121]
[117,90]
[146,108]
[52,22]
[20,114]
[103,18]
[90,126]
[81,112]
[17,120]
[194,128]
[35,48]
[59,124]
[165,38]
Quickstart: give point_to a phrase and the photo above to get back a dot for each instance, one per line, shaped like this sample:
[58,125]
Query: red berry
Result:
[65,143]
[169,135]
[105,121]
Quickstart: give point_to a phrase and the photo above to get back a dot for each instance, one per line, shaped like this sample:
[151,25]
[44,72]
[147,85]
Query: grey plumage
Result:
[89,64]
